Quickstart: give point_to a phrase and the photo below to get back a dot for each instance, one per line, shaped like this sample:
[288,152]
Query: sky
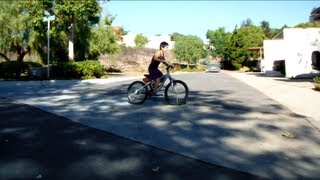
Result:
[197,17]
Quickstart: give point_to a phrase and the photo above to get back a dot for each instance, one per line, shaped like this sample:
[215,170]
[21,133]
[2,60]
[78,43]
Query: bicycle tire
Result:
[177,94]
[137,97]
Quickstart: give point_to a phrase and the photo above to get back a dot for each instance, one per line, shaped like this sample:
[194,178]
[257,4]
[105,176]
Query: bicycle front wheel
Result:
[137,92]
[176,92]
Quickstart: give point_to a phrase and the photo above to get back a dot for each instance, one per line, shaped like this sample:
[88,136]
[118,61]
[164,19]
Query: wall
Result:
[299,45]
[273,50]
[295,48]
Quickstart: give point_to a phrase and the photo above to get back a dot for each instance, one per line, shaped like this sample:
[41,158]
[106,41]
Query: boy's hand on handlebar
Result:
[170,66]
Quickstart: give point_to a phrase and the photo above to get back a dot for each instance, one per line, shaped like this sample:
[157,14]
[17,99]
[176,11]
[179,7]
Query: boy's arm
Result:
[156,57]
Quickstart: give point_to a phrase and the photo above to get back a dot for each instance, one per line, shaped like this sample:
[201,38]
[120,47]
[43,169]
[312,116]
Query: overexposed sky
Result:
[197,17]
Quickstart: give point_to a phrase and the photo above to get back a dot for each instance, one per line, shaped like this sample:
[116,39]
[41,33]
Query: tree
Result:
[247,22]
[140,40]
[102,41]
[15,30]
[219,39]
[108,20]
[38,37]
[189,49]
[76,17]
[22,28]
[266,29]
[315,14]
[241,40]
[309,24]
[174,35]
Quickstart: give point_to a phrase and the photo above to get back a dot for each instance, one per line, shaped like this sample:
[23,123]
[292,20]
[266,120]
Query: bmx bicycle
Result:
[175,92]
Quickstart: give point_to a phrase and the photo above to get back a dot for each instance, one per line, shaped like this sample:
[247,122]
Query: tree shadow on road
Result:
[226,127]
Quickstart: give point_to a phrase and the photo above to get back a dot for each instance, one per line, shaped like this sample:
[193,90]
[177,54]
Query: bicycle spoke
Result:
[137,93]
[176,93]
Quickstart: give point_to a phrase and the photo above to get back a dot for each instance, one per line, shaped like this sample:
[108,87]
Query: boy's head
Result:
[163,45]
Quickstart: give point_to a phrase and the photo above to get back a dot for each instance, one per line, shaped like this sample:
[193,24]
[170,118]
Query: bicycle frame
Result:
[163,80]
[175,92]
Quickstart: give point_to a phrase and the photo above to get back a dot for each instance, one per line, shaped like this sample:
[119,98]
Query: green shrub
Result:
[12,69]
[316,82]
[33,64]
[77,70]
[236,65]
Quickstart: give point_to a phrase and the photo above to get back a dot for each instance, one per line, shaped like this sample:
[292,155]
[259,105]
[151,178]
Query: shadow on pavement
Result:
[232,125]
[35,144]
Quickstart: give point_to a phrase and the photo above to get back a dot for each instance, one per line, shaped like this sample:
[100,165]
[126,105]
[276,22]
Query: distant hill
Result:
[131,59]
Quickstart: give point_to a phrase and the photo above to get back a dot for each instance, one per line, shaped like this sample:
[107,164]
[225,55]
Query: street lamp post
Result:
[48,18]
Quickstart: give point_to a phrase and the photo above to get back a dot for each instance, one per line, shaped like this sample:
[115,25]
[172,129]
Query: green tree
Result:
[140,40]
[241,40]
[14,30]
[247,22]
[315,14]
[220,40]
[38,37]
[102,41]
[174,35]
[309,24]
[266,29]
[189,49]
[75,18]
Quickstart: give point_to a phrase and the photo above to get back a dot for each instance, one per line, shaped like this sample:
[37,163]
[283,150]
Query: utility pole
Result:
[48,18]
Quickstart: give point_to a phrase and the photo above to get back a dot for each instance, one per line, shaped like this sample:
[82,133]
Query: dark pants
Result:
[155,73]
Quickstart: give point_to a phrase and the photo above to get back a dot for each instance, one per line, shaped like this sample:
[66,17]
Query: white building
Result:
[296,48]
[153,41]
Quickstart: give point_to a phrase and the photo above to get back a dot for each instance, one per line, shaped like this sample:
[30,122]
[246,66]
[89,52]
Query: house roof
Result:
[279,35]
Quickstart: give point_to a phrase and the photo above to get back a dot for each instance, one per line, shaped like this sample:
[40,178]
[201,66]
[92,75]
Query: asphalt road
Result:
[225,122]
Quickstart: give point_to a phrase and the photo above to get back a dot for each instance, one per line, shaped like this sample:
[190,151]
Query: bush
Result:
[77,70]
[33,64]
[15,69]
[316,82]
[253,65]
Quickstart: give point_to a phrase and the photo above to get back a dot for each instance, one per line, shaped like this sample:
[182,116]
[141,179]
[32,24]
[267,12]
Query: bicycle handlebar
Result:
[169,67]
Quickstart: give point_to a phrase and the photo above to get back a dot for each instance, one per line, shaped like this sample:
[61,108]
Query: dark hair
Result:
[163,44]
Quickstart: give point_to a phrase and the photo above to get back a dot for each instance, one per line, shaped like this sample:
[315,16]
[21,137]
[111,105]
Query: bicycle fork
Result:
[174,89]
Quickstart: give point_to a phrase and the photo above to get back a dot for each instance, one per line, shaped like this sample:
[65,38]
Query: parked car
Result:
[214,67]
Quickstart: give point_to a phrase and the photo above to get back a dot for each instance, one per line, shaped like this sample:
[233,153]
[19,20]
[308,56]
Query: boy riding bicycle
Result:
[157,58]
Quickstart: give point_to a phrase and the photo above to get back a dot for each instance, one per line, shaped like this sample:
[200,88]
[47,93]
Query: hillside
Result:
[131,60]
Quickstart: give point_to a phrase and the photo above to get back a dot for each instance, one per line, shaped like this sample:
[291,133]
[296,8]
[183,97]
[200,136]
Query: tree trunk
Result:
[4,57]
[21,56]
[71,40]
[21,51]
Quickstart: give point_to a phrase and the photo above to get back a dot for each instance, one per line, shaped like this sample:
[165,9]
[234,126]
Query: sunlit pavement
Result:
[296,94]
[225,122]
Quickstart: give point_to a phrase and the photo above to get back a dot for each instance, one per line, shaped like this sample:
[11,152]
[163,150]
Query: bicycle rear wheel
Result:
[176,93]
[137,93]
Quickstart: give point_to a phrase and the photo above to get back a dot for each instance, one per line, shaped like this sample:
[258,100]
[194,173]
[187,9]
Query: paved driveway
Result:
[225,122]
